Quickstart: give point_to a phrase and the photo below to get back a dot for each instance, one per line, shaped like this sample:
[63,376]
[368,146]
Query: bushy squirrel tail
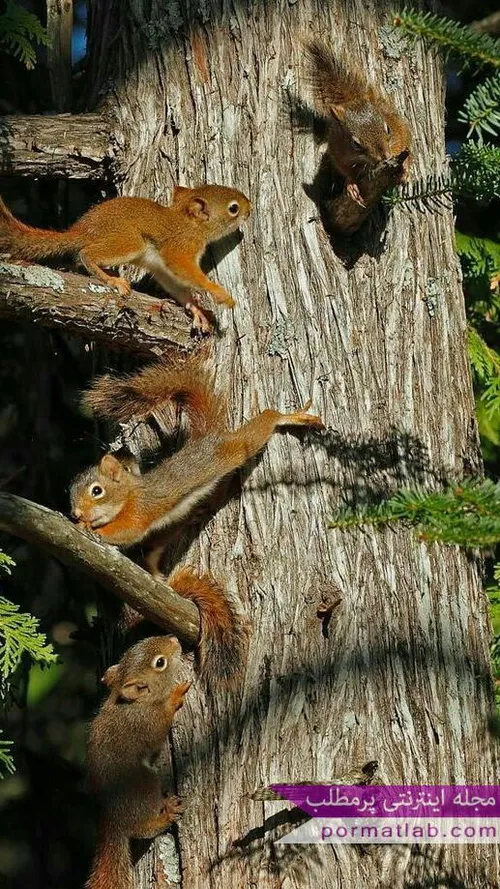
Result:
[22,241]
[333,82]
[188,383]
[224,630]
[111,868]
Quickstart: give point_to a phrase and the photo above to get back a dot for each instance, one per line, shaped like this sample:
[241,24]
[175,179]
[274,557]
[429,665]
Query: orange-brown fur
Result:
[188,383]
[166,241]
[124,739]
[131,507]
[130,504]
[364,127]
[224,634]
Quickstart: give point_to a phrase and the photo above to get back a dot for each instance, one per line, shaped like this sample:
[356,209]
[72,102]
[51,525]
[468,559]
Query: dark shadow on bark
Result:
[414,656]
[378,467]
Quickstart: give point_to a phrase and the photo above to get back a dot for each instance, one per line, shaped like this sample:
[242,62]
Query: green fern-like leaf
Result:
[18,636]
[479,257]
[494,596]
[19,31]
[485,364]
[474,173]
[433,193]
[6,761]
[482,109]
[466,515]
[6,563]
[467,45]
[493,592]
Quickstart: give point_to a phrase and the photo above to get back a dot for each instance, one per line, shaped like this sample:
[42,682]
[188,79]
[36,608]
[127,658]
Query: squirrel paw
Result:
[222,297]
[178,694]
[169,812]
[172,809]
[202,322]
[121,285]
[354,193]
[302,418]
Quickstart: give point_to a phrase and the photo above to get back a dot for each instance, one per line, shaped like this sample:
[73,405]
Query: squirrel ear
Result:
[198,208]
[133,690]
[338,112]
[111,467]
[110,675]
[180,191]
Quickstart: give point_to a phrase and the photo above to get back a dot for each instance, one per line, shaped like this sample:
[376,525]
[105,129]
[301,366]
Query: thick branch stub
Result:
[58,536]
[345,216]
[138,323]
[61,146]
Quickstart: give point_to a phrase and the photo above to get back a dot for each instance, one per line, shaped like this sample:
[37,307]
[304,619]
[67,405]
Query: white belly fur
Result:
[152,260]
[183,507]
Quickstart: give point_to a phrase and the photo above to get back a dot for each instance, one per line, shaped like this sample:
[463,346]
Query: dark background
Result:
[47,820]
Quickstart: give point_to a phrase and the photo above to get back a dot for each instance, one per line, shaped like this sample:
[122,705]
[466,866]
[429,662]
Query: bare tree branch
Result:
[82,306]
[344,215]
[62,146]
[104,563]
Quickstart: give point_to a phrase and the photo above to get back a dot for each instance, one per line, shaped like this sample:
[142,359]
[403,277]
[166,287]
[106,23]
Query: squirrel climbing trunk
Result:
[26,242]
[112,868]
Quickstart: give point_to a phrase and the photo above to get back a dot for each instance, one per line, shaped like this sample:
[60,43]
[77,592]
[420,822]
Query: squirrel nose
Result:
[76,514]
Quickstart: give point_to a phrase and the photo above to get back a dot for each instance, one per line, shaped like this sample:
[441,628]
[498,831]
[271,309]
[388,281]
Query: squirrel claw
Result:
[355,194]
[222,297]
[172,808]
[304,419]
[178,695]
[121,285]
[201,320]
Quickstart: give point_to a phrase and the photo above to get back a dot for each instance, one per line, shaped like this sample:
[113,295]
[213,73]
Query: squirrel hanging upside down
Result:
[125,506]
[362,124]
[168,242]
[125,738]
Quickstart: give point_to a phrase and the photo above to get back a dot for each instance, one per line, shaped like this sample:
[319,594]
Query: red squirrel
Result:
[125,506]
[363,126]
[168,242]
[124,740]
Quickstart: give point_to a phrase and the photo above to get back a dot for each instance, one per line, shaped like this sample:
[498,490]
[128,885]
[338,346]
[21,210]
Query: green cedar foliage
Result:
[469,47]
[19,31]
[19,637]
[466,515]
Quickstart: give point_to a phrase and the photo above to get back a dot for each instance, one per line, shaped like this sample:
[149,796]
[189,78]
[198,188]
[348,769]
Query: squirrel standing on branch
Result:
[168,242]
[116,501]
[125,738]
[363,127]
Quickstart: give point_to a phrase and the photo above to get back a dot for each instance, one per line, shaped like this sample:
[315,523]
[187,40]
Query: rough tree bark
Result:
[85,307]
[378,340]
[377,337]
[62,146]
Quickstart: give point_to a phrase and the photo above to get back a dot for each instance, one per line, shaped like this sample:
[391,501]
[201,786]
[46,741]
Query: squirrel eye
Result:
[357,145]
[233,208]
[96,492]
[159,663]
[387,128]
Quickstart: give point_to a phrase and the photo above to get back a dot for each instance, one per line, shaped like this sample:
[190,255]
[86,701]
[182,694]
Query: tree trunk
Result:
[377,338]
